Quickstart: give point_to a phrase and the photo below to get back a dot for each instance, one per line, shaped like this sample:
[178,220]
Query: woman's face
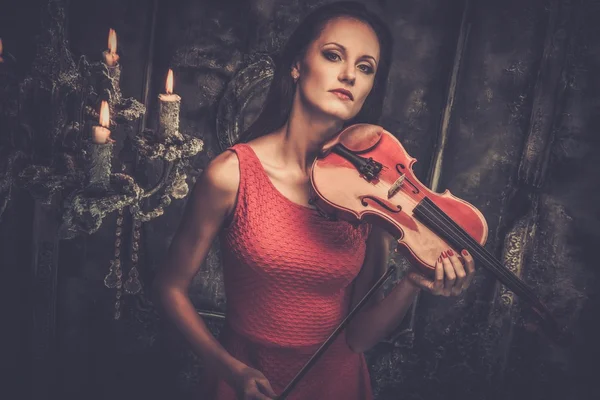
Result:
[343,58]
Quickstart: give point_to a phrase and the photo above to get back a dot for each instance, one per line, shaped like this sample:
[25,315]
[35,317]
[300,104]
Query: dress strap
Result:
[249,167]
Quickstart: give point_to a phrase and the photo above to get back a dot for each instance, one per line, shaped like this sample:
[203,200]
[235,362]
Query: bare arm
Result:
[211,201]
[381,315]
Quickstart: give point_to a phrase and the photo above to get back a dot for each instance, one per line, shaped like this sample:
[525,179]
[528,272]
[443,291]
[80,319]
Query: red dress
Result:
[288,276]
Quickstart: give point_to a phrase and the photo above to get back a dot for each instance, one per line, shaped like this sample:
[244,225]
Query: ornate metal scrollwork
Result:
[243,99]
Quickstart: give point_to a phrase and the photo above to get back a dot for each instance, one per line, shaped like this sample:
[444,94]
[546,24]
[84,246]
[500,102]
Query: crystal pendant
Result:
[114,275]
[133,284]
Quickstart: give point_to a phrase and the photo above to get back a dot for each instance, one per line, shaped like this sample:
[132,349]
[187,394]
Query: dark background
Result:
[506,91]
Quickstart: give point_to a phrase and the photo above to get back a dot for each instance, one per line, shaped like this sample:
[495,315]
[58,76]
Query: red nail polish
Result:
[444,254]
[465,253]
[450,252]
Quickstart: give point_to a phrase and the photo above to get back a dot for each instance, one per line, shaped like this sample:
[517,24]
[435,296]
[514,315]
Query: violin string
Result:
[480,251]
[467,239]
[450,228]
[495,263]
[441,226]
[409,198]
[484,255]
[464,239]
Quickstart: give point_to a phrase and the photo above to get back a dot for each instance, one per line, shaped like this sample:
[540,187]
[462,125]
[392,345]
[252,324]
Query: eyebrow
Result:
[343,48]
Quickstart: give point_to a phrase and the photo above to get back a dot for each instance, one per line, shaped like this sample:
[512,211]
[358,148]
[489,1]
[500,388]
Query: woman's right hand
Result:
[251,384]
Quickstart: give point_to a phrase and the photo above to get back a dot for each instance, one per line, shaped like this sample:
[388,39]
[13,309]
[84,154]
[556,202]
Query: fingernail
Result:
[444,254]
[465,253]
[450,253]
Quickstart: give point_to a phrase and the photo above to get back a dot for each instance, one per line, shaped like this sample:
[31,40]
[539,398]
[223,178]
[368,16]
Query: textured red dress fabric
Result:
[288,273]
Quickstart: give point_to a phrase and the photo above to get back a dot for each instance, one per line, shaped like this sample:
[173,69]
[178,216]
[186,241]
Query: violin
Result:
[365,174]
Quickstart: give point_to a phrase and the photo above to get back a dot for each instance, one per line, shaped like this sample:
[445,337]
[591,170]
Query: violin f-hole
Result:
[385,204]
[415,189]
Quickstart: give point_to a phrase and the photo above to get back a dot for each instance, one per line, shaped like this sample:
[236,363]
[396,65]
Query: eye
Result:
[366,68]
[331,56]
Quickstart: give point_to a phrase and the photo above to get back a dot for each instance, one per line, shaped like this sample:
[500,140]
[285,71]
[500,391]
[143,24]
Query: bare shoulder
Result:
[223,172]
[219,182]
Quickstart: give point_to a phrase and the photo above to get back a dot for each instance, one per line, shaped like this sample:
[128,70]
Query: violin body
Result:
[344,193]
[364,174]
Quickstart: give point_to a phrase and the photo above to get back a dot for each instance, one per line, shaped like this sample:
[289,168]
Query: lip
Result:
[344,92]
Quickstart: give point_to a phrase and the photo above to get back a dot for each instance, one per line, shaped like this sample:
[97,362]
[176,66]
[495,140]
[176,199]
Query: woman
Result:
[291,275]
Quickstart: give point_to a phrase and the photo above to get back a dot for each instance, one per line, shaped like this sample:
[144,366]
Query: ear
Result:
[295,71]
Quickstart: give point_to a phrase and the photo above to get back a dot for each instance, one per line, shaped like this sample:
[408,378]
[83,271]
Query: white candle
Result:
[101,133]
[111,58]
[99,168]
[169,95]
[169,104]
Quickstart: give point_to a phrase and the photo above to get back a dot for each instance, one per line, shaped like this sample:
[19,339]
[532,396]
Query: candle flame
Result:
[0,46]
[169,85]
[104,116]
[112,41]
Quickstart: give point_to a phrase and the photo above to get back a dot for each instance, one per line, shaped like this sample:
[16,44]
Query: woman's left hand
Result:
[452,277]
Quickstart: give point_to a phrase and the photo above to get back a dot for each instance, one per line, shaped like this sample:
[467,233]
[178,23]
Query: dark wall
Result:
[498,102]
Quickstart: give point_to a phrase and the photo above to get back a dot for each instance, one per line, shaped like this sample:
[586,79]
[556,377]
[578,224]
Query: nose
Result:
[348,75]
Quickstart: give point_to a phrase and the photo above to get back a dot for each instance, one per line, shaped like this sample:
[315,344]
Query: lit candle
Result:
[111,58]
[100,153]
[6,58]
[101,133]
[169,104]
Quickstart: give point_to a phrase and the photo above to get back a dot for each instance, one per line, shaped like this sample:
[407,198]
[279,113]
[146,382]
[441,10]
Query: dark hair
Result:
[278,103]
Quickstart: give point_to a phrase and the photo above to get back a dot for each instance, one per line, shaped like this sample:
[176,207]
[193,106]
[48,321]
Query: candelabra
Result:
[57,144]
[81,172]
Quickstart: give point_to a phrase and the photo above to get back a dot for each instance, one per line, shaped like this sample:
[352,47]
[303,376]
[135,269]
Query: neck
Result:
[300,139]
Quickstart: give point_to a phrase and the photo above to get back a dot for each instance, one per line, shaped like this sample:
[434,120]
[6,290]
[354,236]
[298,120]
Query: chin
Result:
[339,114]
[332,109]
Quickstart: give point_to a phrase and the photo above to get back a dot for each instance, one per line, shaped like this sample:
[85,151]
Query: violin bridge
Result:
[396,185]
